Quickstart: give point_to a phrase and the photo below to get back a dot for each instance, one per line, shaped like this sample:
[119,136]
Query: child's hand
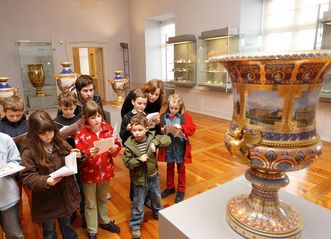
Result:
[94,151]
[129,127]
[78,153]
[153,147]
[52,181]
[156,120]
[178,126]
[113,149]
[143,158]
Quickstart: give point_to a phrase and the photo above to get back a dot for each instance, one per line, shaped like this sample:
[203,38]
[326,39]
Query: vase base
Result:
[260,220]
[117,103]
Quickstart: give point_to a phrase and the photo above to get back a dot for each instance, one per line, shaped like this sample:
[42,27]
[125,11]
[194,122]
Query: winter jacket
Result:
[188,128]
[140,171]
[99,168]
[49,202]
[9,192]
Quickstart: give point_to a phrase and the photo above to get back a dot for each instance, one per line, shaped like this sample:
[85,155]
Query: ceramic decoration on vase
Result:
[37,77]
[273,130]
[66,78]
[5,89]
[119,85]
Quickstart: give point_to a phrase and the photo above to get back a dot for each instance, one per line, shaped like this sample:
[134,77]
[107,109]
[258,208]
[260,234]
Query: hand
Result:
[153,147]
[52,181]
[129,127]
[156,120]
[94,151]
[178,126]
[113,149]
[78,153]
[143,158]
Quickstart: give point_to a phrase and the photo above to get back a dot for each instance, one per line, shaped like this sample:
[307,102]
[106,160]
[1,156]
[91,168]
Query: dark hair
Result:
[40,122]
[14,103]
[139,119]
[83,81]
[91,108]
[67,99]
[152,85]
[138,93]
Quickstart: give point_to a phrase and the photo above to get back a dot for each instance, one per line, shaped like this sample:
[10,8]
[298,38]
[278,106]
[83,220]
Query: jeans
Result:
[139,195]
[10,223]
[67,231]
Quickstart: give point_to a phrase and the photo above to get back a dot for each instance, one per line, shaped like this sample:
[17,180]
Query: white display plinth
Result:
[115,117]
[203,216]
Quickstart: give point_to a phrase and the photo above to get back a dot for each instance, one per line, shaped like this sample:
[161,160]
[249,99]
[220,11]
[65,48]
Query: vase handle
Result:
[240,139]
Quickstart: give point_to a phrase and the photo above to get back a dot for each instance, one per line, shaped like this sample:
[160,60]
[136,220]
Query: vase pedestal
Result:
[206,212]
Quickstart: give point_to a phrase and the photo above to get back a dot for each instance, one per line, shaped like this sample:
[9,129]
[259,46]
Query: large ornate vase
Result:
[66,78]
[273,130]
[6,90]
[37,77]
[119,85]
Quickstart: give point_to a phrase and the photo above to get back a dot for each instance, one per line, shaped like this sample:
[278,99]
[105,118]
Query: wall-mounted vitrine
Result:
[37,69]
[213,43]
[326,44]
[184,63]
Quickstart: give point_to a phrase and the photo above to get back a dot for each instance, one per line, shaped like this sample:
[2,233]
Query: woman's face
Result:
[46,137]
[95,122]
[154,96]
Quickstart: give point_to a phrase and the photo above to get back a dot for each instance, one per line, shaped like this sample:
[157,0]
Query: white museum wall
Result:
[60,22]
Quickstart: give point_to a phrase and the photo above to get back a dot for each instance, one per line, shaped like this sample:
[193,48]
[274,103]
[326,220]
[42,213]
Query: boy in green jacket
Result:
[140,158]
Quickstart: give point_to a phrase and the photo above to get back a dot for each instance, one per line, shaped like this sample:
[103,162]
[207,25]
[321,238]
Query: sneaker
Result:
[108,196]
[167,192]
[92,236]
[136,234]
[179,197]
[155,215]
[111,226]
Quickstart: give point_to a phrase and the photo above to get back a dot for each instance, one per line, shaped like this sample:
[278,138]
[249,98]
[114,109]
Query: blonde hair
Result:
[139,119]
[176,99]
[14,103]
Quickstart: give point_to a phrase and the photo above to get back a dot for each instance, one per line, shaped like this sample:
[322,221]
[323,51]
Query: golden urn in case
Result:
[119,84]
[273,130]
[37,77]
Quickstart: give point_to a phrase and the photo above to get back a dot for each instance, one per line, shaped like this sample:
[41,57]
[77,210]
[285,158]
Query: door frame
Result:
[105,50]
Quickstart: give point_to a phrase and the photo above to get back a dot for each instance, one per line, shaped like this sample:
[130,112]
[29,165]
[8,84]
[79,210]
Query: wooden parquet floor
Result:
[212,166]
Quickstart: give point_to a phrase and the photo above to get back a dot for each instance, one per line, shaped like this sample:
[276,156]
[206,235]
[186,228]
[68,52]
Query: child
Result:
[14,122]
[53,199]
[178,125]
[9,191]
[140,158]
[139,101]
[67,103]
[155,93]
[97,169]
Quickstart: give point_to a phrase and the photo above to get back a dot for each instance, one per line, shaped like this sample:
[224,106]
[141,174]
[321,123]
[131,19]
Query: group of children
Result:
[43,152]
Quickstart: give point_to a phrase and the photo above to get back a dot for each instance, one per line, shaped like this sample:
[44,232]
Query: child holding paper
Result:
[43,152]
[97,169]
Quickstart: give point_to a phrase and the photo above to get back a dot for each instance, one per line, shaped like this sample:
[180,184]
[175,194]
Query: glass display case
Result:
[214,43]
[326,44]
[37,69]
[184,63]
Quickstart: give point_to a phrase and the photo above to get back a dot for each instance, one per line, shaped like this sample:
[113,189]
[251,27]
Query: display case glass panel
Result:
[213,43]
[37,69]
[326,44]
[184,63]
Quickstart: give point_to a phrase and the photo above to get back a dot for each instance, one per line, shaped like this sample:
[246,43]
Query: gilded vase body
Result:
[37,77]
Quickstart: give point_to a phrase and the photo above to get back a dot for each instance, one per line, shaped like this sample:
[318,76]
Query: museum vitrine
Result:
[213,43]
[326,44]
[37,69]
[184,62]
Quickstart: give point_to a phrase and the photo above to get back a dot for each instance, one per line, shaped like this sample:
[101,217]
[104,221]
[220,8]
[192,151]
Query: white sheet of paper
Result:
[104,144]
[10,168]
[152,116]
[70,167]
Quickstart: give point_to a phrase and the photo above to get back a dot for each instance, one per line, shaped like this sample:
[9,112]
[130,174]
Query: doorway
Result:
[89,61]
